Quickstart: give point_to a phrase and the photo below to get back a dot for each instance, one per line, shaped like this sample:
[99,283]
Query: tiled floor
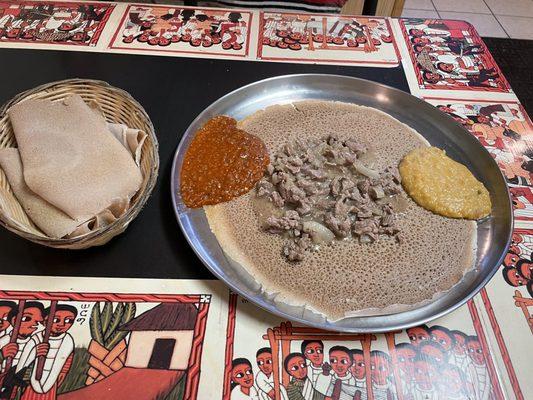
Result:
[493,18]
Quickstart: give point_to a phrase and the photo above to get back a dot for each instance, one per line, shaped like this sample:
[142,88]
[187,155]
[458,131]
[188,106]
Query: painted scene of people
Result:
[517,270]
[184,29]
[450,55]
[309,37]
[289,362]
[504,129]
[53,22]
[80,346]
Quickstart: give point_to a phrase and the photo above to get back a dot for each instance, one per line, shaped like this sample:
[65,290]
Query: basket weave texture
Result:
[117,106]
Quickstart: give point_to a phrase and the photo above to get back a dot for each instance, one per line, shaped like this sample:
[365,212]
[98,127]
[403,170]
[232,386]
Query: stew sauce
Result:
[221,163]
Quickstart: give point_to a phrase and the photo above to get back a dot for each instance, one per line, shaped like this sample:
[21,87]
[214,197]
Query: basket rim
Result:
[120,223]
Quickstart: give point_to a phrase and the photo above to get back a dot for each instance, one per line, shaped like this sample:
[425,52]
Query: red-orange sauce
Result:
[221,163]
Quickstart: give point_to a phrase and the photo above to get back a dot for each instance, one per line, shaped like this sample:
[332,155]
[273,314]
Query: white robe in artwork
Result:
[422,394]
[430,31]
[6,332]
[460,396]
[406,383]
[61,347]
[22,343]
[504,118]
[314,373]
[348,387]
[359,385]
[460,361]
[380,391]
[237,394]
[265,384]
[308,391]
[478,376]
[5,20]
[470,68]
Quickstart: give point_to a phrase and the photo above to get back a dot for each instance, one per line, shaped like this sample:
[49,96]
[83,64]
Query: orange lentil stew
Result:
[221,163]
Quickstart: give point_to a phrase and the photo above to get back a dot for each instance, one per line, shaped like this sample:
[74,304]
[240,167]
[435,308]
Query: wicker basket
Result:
[119,107]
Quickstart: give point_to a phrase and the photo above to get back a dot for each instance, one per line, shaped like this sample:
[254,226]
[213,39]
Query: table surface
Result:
[173,91]
[154,238]
[514,57]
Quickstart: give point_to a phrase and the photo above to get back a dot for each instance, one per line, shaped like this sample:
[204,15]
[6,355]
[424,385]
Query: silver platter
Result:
[439,129]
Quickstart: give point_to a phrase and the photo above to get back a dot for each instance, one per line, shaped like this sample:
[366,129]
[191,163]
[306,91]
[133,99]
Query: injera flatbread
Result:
[346,278]
[68,140]
[55,223]
[52,221]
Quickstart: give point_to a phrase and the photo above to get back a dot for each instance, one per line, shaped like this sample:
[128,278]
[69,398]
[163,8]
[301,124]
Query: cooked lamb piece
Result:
[323,188]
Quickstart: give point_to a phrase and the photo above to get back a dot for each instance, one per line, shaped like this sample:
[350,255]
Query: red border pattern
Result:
[230,340]
[478,327]
[195,361]
[501,344]
[92,297]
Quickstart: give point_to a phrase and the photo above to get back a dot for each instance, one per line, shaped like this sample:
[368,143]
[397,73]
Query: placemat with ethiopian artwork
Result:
[125,338]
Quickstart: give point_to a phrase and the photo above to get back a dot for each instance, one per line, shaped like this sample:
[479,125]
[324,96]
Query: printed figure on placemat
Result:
[504,129]
[445,365]
[518,265]
[477,373]
[522,199]
[405,355]
[184,30]
[100,348]
[53,23]
[313,351]
[7,310]
[299,363]
[358,371]
[418,334]
[337,381]
[264,379]
[300,386]
[26,321]
[242,379]
[438,364]
[382,384]
[51,353]
[308,37]
[450,55]
[297,369]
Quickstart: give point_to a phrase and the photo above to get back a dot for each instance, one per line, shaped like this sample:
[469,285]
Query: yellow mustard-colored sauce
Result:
[442,185]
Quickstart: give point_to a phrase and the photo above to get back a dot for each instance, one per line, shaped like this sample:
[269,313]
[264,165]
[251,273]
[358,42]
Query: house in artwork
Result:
[161,338]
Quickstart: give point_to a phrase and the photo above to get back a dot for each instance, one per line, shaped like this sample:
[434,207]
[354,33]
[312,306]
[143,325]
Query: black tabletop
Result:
[173,91]
[515,57]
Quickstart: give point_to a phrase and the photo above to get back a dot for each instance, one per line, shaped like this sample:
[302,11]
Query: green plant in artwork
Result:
[75,378]
[108,346]
[104,322]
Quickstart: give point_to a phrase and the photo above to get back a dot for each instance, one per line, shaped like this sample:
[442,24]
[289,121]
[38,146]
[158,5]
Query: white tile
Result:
[407,13]
[520,8]
[517,27]
[418,4]
[471,6]
[485,24]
